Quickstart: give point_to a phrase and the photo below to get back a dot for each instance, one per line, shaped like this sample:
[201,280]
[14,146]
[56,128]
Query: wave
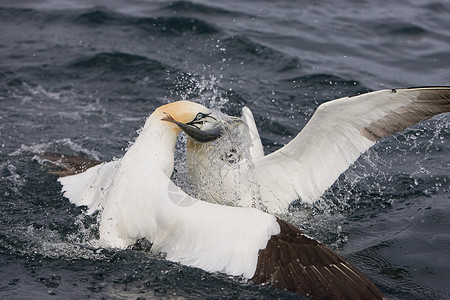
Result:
[241,48]
[117,61]
[167,25]
[326,79]
[399,28]
[186,7]
[96,17]
[19,14]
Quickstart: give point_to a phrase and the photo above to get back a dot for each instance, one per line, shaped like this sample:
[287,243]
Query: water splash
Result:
[205,90]
[11,177]
[37,242]
[202,89]
[28,93]
[222,172]
[61,146]
[405,166]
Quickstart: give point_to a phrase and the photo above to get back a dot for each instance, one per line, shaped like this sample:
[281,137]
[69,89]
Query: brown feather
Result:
[429,102]
[302,265]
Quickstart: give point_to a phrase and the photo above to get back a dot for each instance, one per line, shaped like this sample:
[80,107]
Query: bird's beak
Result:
[212,132]
[202,136]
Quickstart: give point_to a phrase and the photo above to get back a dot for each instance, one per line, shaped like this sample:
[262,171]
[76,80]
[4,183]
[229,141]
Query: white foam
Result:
[61,146]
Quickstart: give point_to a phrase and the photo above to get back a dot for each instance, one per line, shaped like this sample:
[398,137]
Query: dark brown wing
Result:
[298,263]
[70,164]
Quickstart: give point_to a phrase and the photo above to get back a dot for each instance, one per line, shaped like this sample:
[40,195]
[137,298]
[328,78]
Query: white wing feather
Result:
[335,137]
[256,148]
[89,188]
[214,237]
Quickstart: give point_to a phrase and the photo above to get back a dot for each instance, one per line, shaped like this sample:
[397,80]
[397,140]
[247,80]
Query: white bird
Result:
[336,135]
[137,199]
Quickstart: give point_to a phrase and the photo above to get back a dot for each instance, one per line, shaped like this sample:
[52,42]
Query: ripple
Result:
[118,66]
[187,7]
[240,48]
[97,17]
[401,29]
[163,24]
[18,14]
[177,25]
[115,61]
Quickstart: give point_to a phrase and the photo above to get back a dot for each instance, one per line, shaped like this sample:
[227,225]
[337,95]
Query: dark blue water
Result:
[81,77]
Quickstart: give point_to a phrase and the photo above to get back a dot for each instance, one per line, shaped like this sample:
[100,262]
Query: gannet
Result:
[336,135]
[136,199]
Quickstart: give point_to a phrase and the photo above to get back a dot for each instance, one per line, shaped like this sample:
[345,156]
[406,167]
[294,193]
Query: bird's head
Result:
[197,121]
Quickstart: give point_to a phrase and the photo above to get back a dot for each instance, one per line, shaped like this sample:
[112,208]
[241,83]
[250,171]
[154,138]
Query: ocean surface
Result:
[80,77]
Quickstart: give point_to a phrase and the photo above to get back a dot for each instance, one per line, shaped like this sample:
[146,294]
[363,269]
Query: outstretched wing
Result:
[300,264]
[90,187]
[85,181]
[337,134]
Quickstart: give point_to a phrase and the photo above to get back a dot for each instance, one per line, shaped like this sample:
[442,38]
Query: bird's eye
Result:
[199,116]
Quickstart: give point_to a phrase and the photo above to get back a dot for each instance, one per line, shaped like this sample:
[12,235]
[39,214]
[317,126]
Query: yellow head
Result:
[183,111]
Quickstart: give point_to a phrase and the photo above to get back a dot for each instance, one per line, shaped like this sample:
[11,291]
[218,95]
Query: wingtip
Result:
[300,264]
[66,165]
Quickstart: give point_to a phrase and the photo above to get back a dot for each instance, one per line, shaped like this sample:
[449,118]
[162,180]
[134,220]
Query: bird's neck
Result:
[154,148]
